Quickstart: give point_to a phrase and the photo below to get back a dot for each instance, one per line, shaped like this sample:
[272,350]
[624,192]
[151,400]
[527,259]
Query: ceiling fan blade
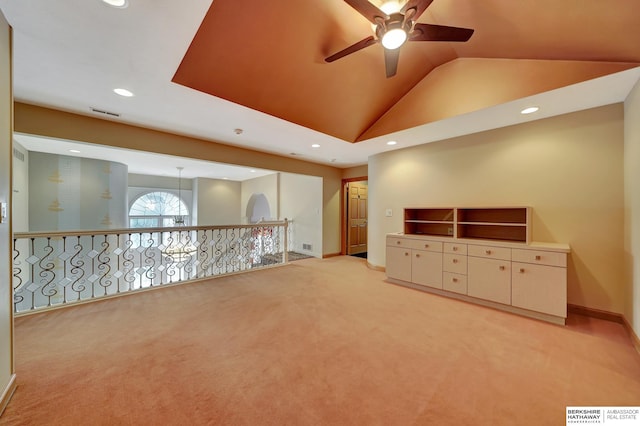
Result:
[391,61]
[419,5]
[430,32]
[367,10]
[351,49]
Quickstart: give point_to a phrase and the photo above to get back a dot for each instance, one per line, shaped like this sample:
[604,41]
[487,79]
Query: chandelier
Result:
[178,220]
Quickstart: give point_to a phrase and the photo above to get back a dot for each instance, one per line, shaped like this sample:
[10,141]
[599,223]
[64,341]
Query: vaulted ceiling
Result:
[205,68]
[269,56]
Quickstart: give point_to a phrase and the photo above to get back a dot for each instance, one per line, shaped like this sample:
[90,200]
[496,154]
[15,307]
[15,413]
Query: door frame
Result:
[344,220]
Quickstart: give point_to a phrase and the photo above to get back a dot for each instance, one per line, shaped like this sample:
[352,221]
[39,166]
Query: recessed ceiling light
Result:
[225,178]
[123,92]
[75,151]
[252,171]
[529,110]
[117,3]
[315,145]
[392,143]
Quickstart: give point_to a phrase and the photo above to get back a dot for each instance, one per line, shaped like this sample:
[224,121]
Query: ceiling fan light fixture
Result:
[394,31]
[391,6]
[394,38]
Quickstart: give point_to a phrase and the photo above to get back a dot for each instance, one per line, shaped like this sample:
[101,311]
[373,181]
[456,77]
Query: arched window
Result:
[157,209]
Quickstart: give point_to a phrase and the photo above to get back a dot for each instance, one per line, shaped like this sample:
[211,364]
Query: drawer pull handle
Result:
[455,280]
[538,257]
[398,242]
[455,249]
[426,246]
[501,268]
[522,270]
[487,251]
[417,255]
[455,260]
[406,254]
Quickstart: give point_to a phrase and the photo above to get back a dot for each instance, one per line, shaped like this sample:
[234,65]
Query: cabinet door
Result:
[426,268]
[540,288]
[399,263]
[489,279]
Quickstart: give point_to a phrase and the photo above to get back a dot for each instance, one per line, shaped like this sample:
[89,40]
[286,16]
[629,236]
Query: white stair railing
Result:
[60,268]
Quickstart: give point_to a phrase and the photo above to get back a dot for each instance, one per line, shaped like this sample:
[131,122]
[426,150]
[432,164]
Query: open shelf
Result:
[429,215]
[493,215]
[493,232]
[436,221]
[496,223]
[442,229]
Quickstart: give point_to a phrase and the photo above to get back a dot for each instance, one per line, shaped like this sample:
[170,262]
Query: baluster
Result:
[17,279]
[104,267]
[77,265]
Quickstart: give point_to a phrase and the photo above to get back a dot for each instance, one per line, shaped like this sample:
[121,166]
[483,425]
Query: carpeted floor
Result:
[316,342]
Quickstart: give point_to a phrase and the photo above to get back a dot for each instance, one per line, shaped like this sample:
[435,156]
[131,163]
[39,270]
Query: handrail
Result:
[120,231]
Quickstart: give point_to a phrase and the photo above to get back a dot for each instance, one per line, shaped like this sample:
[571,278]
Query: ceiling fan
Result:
[394,25]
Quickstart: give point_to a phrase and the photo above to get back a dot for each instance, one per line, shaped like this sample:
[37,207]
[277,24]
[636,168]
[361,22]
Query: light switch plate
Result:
[3,212]
[388,213]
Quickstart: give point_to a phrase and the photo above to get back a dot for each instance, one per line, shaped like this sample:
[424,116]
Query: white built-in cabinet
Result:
[493,263]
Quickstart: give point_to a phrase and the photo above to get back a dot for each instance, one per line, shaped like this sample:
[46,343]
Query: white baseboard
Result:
[8,393]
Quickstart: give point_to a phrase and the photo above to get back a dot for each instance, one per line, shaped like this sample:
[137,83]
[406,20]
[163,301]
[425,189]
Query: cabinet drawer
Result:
[550,258]
[455,248]
[490,252]
[454,282]
[427,245]
[399,242]
[454,263]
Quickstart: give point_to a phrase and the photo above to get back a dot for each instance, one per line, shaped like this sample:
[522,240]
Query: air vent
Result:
[18,154]
[306,246]
[100,111]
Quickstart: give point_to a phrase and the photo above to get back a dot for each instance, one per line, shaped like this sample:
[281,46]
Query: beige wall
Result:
[267,185]
[300,200]
[632,207]
[6,135]
[355,172]
[41,121]
[568,168]
[163,182]
[331,215]
[217,201]
[20,198]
